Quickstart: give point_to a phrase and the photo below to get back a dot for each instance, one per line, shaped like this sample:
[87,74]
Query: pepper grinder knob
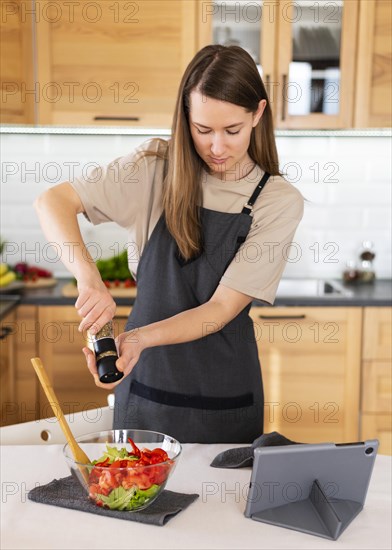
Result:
[106,354]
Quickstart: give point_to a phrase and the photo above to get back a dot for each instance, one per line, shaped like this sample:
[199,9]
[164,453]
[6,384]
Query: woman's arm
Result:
[186,326]
[192,324]
[57,210]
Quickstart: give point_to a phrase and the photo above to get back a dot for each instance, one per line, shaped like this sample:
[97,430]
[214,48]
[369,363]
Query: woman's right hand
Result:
[95,305]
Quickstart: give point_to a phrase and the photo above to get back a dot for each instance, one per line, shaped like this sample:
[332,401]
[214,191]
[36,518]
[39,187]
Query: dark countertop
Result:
[378,294]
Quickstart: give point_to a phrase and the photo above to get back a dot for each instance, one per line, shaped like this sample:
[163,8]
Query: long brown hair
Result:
[226,73]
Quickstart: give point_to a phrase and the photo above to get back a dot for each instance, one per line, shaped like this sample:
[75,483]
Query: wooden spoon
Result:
[78,453]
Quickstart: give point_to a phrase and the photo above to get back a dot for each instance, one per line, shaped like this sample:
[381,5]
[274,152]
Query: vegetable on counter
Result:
[26,272]
[7,276]
[115,271]
[122,480]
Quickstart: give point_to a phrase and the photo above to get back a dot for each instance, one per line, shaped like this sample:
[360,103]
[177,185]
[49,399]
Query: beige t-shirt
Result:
[129,193]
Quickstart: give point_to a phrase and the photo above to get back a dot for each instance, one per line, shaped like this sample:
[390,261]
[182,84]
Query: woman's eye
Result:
[230,133]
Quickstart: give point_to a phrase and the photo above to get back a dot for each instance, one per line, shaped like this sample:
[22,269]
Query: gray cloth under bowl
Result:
[243,456]
[68,493]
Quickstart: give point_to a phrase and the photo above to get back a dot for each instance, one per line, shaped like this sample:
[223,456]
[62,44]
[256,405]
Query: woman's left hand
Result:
[129,347]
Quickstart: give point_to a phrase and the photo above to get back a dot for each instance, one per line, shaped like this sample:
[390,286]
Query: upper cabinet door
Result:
[112,62]
[251,25]
[316,63]
[373,90]
[305,51]
[16,68]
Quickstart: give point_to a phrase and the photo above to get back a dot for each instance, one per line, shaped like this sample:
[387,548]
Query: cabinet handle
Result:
[132,118]
[5,331]
[267,85]
[282,316]
[284,80]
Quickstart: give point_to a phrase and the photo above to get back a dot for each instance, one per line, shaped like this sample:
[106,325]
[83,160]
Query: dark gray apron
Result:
[208,390]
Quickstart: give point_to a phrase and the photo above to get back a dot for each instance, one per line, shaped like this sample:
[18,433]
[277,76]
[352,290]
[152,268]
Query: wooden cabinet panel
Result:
[26,346]
[17,70]
[377,343]
[373,95]
[122,60]
[378,426]
[9,408]
[376,387]
[376,404]
[310,361]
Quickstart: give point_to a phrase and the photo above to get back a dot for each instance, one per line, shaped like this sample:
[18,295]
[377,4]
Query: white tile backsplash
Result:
[347,181]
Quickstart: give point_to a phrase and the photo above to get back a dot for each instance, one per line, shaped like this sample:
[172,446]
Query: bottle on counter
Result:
[351,273]
[366,272]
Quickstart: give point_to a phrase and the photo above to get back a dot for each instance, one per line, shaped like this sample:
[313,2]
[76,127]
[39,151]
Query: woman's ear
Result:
[259,113]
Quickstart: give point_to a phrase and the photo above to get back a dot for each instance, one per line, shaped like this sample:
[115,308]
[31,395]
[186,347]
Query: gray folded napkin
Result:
[68,493]
[243,456]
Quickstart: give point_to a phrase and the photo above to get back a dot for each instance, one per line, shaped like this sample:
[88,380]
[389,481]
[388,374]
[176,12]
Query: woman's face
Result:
[221,134]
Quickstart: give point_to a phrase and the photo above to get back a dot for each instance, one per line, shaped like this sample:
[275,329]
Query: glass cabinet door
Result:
[316,62]
[249,24]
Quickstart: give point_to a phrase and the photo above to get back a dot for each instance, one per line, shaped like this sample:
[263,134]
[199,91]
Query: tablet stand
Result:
[317,515]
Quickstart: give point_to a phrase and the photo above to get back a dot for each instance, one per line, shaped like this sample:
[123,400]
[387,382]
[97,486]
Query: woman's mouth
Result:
[218,161]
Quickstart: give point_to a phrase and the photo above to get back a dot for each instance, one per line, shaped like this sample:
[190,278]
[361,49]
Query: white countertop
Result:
[215,520]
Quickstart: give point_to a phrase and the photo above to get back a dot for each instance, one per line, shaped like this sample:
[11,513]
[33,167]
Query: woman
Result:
[211,218]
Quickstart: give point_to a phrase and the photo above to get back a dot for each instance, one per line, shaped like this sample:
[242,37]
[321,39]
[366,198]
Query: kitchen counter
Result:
[215,520]
[377,294]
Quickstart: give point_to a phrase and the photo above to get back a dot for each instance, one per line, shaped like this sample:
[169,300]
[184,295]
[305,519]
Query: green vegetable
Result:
[127,499]
[115,268]
[114,454]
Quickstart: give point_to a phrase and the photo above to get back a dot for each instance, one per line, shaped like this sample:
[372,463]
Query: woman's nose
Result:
[217,147]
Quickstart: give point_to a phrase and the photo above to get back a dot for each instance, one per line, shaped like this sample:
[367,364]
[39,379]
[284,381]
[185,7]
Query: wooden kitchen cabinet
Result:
[281,34]
[373,90]
[310,359]
[322,35]
[60,348]
[17,68]
[120,63]
[26,346]
[113,62]
[9,409]
[376,402]
[94,63]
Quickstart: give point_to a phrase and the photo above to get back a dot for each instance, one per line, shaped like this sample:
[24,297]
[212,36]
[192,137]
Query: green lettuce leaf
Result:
[114,454]
[118,499]
[127,499]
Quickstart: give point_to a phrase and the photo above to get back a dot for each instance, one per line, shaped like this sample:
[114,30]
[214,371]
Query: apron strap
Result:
[248,207]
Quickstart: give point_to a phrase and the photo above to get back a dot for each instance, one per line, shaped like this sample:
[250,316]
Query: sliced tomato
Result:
[141,479]
[107,481]
[94,489]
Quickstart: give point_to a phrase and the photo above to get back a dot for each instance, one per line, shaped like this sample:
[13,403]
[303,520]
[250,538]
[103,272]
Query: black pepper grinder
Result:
[106,354]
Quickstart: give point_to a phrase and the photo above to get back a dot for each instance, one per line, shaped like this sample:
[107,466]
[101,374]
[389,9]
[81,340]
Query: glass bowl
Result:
[124,479]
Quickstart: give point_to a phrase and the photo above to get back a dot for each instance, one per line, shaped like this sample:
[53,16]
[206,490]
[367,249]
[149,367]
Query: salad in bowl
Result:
[131,469]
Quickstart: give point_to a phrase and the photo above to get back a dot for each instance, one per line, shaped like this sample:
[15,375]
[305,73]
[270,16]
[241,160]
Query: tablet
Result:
[314,488]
